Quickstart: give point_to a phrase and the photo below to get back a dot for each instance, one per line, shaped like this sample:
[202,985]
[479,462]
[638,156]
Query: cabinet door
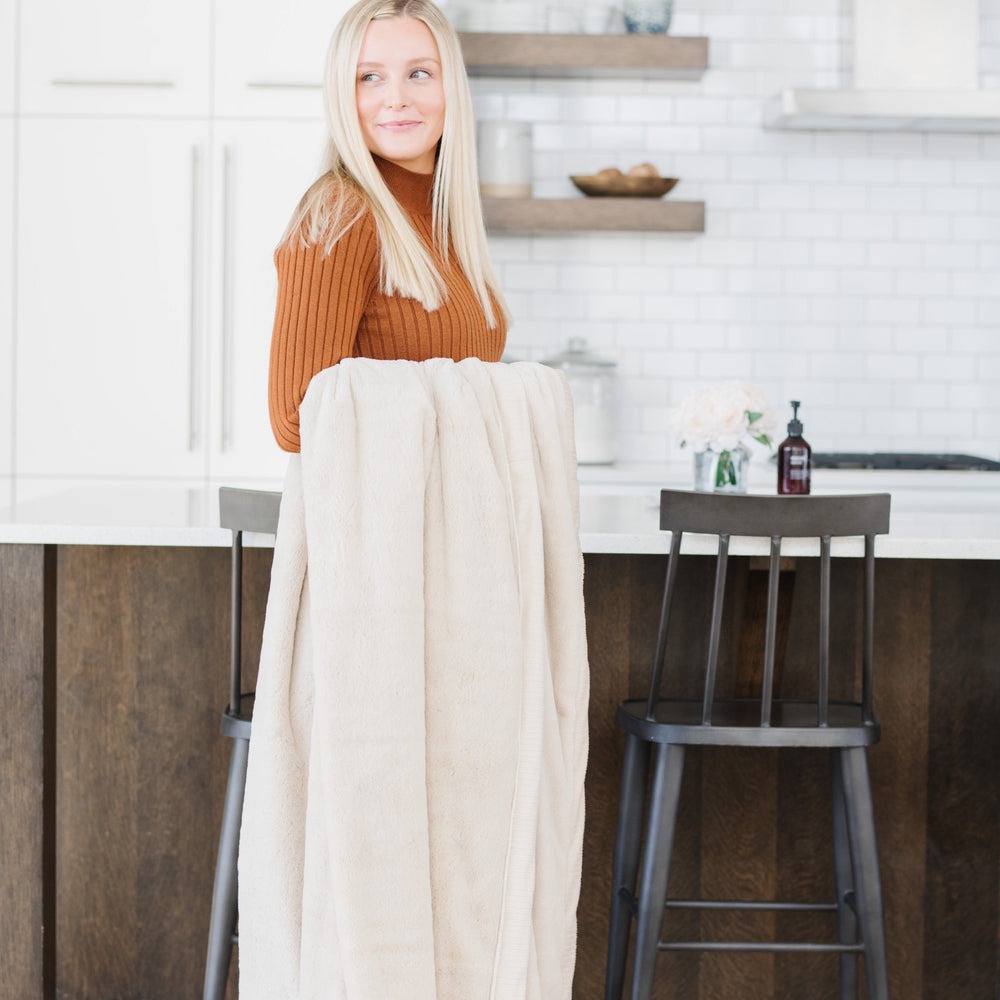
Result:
[6,303]
[269,57]
[7,62]
[115,56]
[110,333]
[263,169]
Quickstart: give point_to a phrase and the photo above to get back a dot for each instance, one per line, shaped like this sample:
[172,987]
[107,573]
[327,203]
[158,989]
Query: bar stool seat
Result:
[659,729]
[241,511]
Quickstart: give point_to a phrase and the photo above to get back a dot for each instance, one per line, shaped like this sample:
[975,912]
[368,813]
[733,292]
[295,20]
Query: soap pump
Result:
[794,458]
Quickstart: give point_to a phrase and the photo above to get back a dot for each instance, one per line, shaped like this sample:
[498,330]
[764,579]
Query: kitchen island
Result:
[113,640]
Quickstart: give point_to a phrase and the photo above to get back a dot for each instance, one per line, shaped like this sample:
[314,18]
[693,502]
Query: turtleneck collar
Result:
[411,190]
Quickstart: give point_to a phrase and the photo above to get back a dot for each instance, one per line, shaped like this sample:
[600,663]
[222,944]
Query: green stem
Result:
[725,470]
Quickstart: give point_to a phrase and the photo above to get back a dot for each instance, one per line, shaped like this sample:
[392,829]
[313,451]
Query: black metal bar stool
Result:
[241,511]
[659,729]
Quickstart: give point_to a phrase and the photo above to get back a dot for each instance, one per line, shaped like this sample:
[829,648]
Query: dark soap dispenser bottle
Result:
[794,458]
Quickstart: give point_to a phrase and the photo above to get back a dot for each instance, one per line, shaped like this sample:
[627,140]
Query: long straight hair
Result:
[351,181]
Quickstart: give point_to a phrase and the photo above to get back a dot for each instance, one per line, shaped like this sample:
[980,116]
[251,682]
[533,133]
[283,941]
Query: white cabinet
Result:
[111,338]
[145,57]
[147,224]
[269,57]
[6,300]
[7,61]
[146,294]
[263,170]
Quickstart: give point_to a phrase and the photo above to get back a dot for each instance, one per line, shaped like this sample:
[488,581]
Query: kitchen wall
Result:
[858,272]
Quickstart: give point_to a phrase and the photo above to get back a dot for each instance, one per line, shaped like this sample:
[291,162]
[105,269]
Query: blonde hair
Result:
[351,182]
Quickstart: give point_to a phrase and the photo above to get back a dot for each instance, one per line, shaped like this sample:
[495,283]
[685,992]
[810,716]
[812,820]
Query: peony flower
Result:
[720,416]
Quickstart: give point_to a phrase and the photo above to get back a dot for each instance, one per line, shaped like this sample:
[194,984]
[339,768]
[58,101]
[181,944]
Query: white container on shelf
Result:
[504,159]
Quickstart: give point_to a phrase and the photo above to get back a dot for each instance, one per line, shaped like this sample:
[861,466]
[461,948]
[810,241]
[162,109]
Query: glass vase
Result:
[723,471]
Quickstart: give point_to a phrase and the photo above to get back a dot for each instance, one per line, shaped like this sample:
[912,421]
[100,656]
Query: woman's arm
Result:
[321,299]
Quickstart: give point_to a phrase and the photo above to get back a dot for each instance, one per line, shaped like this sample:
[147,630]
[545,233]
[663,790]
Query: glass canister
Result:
[593,382]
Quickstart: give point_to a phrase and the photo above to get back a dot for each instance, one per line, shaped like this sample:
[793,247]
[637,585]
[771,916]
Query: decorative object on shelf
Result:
[593,383]
[601,19]
[717,422]
[504,154]
[611,182]
[648,17]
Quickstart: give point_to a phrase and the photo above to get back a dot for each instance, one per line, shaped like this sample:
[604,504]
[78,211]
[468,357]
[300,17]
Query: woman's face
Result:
[400,93]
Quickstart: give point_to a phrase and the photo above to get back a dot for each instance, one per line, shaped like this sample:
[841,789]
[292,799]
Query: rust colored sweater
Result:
[330,307]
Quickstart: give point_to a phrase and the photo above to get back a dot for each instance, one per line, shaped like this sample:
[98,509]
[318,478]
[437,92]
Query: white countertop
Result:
[935,515]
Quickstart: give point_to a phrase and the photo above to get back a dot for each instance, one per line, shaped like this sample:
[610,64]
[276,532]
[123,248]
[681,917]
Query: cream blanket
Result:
[413,822]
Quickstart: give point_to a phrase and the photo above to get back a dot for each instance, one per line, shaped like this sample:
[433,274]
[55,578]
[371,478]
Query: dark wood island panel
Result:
[27,778]
[117,656]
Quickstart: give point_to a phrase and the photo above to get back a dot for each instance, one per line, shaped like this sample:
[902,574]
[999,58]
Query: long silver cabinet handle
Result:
[85,82]
[284,84]
[228,345]
[194,324]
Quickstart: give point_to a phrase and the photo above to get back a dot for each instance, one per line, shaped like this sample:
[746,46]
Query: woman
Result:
[386,255]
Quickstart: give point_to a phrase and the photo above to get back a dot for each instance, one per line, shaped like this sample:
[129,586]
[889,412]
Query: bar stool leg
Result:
[864,855]
[665,792]
[846,919]
[625,867]
[224,894]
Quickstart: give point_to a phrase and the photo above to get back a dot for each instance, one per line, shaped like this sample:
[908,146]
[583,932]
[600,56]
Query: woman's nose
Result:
[395,97]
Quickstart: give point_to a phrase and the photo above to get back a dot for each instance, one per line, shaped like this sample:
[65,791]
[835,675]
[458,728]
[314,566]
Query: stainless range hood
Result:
[916,68]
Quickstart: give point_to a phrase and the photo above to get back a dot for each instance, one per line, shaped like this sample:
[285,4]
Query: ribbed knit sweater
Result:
[330,307]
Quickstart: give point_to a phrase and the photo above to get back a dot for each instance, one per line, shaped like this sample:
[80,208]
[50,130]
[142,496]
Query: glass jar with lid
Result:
[593,383]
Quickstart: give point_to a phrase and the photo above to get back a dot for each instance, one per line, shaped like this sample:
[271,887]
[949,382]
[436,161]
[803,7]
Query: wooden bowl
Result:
[623,187]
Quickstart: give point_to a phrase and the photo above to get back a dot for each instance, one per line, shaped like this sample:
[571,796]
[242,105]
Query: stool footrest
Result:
[780,946]
[748,904]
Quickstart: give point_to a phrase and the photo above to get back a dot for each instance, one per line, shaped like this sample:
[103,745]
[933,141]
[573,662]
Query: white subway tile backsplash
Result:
[897,198]
[867,226]
[866,281]
[979,228]
[836,253]
[953,256]
[926,228]
[897,144]
[777,198]
[815,225]
[895,255]
[856,271]
[975,341]
[922,283]
[950,310]
[897,365]
[952,198]
[929,395]
[868,170]
[926,171]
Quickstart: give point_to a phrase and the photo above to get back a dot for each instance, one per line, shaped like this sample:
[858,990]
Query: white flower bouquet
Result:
[720,418]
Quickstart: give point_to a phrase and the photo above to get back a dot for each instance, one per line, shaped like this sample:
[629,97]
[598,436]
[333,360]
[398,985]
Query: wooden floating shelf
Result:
[670,56]
[526,215]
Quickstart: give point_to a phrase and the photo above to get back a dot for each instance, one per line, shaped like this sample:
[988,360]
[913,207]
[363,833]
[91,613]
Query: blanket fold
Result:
[413,821]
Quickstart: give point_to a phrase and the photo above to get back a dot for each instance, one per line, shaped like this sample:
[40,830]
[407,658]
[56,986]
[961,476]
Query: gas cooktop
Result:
[902,460]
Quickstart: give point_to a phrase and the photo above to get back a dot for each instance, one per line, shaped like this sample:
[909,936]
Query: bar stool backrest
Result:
[773,518]
[242,511]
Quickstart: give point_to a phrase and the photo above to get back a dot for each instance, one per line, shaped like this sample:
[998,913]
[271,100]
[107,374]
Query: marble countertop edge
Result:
[935,515]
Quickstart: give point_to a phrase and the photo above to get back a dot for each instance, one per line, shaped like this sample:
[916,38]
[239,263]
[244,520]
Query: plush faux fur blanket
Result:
[413,821]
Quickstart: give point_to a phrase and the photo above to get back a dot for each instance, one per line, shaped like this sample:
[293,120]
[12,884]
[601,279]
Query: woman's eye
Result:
[420,74]
[368,77]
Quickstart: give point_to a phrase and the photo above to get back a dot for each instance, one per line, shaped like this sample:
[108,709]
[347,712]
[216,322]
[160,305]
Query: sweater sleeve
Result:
[321,299]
